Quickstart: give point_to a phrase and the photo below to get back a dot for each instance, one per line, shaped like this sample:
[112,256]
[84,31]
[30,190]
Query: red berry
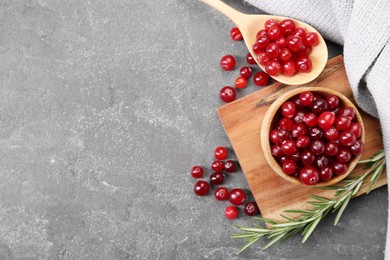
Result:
[250,59]
[273,67]
[310,119]
[221,193]
[261,79]
[221,153]
[306,98]
[289,68]
[331,149]
[332,134]
[285,123]
[217,178]
[217,166]
[321,161]
[298,118]
[261,43]
[326,120]
[273,136]
[287,26]
[317,147]
[262,32]
[228,62]
[270,23]
[299,31]
[283,135]
[298,130]
[326,173]
[227,94]
[289,109]
[230,166]
[285,54]
[282,42]
[303,141]
[333,102]
[276,150]
[303,64]
[289,147]
[307,157]
[251,208]
[311,39]
[343,122]
[262,58]
[201,188]
[240,82]
[294,43]
[231,212]
[316,133]
[304,51]
[197,172]
[274,33]
[309,175]
[273,50]
[347,138]
[235,34]
[289,167]
[246,72]
[357,148]
[344,155]
[339,168]
[347,111]
[319,106]
[356,129]
[237,197]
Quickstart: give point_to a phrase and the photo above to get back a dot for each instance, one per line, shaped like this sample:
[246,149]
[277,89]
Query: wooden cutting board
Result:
[242,120]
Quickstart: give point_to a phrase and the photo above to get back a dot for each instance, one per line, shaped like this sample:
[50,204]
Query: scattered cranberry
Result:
[221,153]
[197,172]
[231,212]
[217,166]
[251,208]
[261,79]
[240,82]
[246,72]
[217,178]
[250,59]
[221,193]
[235,34]
[201,188]
[227,94]
[228,62]
[230,166]
[237,196]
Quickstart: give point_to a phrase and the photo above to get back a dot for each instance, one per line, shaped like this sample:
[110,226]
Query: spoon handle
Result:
[228,11]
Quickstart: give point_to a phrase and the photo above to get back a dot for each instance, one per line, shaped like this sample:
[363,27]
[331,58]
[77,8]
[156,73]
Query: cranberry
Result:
[228,62]
[289,167]
[250,59]
[217,178]
[276,150]
[298,118]
[331,149]
[326,120]
[282,42]
[357,148]
[304,51]
[343,122]
[273,50]
[299,31]
[220,153]
[316,133]
[262,58]
[306,98]
[326,173]
[197,172]
[333,102]
[332,134]
[246,72]
[298,130]
[201,188]
[297,102]
[296,157]
[285,123]
[261,79]
[273,136]
[262,42]
[262,32]
[227,94]
[344,155]
[285,54]
[309,175]
[356,129]
[273,67]
[319,106]
[282,159]
[274,33]
[287,26]
[289,109]
[283,135]
[235,34]
[237,196]
[217,166]
[347,138]
[307,157]
[310,119]
[347,111]
[230,166]
[231,212]
[339,168]
[289,68]
[311,39]
[240,82]
[221,193]
[317,147]
[321,161]
[303,141]
[294,43]
[303,64]
[251,208]
[270,23]
[289,147]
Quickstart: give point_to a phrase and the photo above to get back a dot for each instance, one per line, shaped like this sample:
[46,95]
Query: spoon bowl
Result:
[249,25]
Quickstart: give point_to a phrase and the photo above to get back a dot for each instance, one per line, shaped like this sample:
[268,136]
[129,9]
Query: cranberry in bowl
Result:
[312,136]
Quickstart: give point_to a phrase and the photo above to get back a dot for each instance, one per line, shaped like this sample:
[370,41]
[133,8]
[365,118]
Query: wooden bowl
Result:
[272,115]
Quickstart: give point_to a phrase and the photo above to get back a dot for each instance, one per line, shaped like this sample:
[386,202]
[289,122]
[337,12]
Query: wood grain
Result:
[242,121]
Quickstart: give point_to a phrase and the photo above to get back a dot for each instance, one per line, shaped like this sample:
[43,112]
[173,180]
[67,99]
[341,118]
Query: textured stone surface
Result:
[104,107]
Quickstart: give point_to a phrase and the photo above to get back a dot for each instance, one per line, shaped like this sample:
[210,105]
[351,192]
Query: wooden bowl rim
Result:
[268,120]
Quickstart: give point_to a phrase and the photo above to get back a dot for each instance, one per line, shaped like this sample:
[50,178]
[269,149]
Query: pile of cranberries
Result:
[315,137]
[235,196]
[284,48]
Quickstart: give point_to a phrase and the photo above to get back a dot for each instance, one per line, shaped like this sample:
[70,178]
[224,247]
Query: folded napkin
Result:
[363,28]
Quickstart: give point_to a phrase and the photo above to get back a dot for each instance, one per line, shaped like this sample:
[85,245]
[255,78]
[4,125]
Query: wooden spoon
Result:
[249,25]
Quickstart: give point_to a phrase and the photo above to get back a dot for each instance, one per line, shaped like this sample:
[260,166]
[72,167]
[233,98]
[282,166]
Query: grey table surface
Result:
[104,108]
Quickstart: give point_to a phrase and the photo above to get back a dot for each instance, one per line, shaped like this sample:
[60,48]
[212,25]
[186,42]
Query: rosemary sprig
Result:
[309,219]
